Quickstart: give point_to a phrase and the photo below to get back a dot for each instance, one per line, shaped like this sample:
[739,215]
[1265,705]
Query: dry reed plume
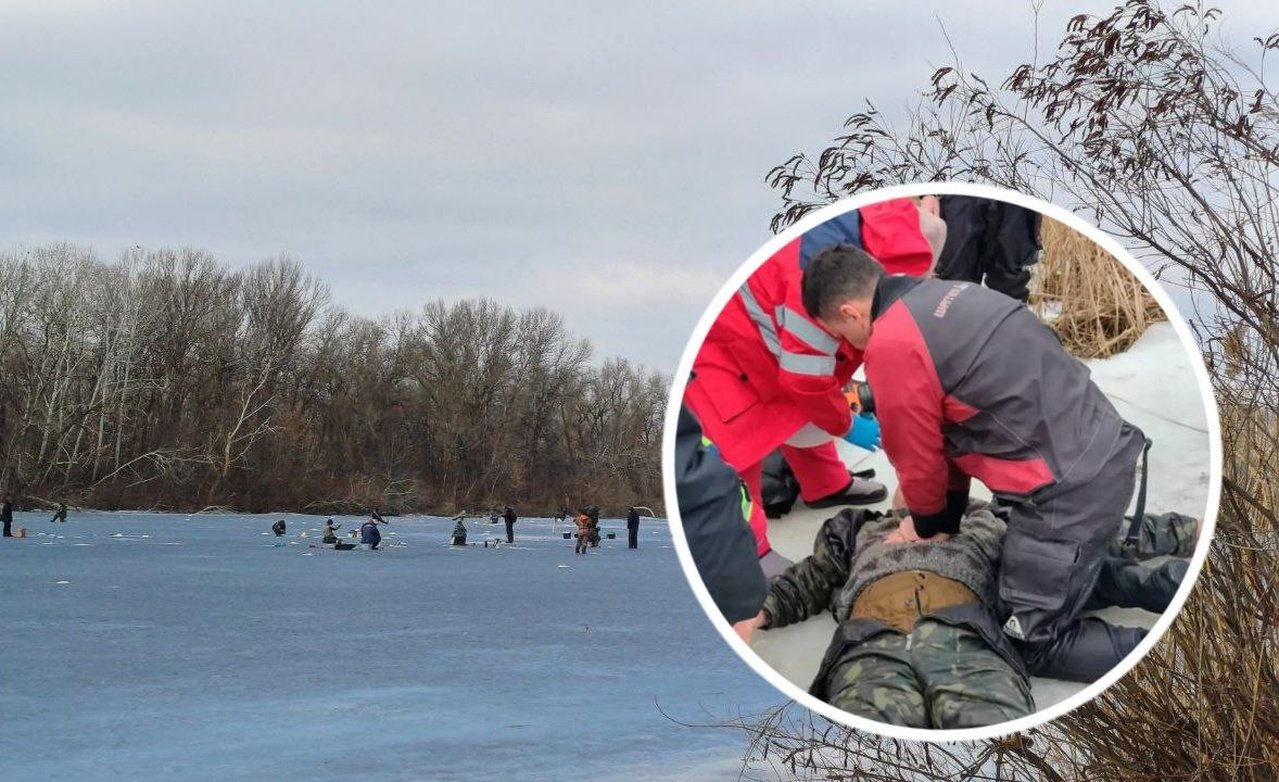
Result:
[1097,307]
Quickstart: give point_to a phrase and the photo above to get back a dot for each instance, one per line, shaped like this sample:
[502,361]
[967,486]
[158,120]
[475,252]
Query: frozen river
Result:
[138,645]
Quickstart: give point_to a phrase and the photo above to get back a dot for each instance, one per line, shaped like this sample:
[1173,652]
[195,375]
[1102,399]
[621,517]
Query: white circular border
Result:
[757,663]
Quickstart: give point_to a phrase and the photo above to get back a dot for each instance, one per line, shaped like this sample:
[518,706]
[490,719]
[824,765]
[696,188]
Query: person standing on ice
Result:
[369,533]
[6,515]
[632,528]
[768,375]
[990,241]
[594,512]
[583,532]
[60,514]
[510,518]
[969,384]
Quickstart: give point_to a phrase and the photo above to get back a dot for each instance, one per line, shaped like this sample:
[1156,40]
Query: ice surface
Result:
[1152,385]
[181,647]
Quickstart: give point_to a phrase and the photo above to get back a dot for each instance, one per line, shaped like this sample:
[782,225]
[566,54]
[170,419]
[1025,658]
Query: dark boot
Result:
[859,491]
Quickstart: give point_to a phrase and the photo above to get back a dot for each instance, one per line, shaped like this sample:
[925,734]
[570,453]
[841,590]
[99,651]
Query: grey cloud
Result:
[528,152]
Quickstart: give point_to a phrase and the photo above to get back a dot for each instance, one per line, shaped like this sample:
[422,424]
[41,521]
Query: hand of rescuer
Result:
[864,432]
[905,533]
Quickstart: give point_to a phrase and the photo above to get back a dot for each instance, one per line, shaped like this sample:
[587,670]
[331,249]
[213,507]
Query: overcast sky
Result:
[604,160]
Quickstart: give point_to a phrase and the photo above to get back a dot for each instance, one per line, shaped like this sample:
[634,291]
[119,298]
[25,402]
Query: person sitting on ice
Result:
[970,384]
[459,533]
[768,375]
[369,533]
[278,528]
[331,531]
[919,642]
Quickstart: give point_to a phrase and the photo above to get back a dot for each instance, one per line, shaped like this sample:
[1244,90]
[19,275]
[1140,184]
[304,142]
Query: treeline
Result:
[166,380]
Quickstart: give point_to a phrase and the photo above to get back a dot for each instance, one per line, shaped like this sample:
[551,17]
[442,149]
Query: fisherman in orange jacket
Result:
[583,532]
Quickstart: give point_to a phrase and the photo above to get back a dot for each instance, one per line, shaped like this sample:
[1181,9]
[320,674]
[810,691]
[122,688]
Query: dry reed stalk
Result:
[1097,307]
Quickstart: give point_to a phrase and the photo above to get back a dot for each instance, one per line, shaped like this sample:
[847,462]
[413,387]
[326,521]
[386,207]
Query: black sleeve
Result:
[947,520]
[710,500]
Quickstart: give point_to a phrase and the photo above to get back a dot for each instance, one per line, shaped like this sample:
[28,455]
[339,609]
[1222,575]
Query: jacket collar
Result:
[889,289]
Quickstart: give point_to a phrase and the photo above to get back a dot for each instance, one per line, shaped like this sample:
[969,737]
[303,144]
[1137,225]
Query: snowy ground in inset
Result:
[1151,385]
[151,646]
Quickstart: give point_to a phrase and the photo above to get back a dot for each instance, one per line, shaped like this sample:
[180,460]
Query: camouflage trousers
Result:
[938,676]
[1168,534]
[1123,582]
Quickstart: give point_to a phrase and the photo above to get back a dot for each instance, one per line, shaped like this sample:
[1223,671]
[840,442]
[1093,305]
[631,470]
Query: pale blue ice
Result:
[195,647]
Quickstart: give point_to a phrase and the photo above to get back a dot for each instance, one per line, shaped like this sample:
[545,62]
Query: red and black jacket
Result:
[970,384]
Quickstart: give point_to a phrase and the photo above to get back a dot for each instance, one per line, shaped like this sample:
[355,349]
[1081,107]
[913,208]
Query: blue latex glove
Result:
[864,432]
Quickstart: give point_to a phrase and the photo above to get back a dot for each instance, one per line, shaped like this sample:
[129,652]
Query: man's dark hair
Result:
[836,275]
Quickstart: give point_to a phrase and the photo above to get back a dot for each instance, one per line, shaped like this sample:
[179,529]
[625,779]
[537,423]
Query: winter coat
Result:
[766,368]
[970,384]
[369,533]
[714,511]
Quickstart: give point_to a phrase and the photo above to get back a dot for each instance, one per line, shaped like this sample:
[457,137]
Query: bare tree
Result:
[165,380]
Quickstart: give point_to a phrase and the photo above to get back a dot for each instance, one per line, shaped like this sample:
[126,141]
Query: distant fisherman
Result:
[61,514]
[594,513]
[278,528]
[510,517]
[370,534]
[331,531]
[6,515]
[459,533]
[632,528]
[583,531]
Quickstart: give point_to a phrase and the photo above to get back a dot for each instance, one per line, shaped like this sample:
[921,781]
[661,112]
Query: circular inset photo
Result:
[944,462]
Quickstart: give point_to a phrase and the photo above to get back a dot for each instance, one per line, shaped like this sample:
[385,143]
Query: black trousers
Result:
[1054,555]
[7,532]
[510,532]
[632,537]
[990,241]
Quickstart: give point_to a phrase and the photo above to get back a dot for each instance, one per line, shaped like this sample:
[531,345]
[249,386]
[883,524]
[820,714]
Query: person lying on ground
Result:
[918,642]
[970,384]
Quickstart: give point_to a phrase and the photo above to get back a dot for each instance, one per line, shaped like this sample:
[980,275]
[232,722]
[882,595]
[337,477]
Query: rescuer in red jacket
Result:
[768,375]
[969,384]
